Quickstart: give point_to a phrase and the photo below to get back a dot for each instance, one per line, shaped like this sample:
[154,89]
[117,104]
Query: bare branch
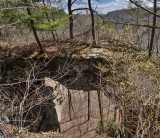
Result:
[140,25]
[73,2]
[144,8]
[78,9]
[126,23]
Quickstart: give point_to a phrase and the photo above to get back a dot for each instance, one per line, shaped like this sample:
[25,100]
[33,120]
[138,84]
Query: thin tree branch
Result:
[73,2]
[126,23]
[144,8]
[16,83]
[140,25]
[78,9]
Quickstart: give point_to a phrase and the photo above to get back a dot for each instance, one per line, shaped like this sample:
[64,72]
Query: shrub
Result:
[109,127]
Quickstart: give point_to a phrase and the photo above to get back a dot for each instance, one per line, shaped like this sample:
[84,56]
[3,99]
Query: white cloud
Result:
[103,7]
[111,6]
[117,5]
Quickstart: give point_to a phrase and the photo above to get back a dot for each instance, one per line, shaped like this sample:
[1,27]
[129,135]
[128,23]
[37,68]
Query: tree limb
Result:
[78,9]
[126,23]
[135,3]
[73,2]
[141,25]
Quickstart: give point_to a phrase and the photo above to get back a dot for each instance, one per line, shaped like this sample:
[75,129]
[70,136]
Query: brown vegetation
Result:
[99,76]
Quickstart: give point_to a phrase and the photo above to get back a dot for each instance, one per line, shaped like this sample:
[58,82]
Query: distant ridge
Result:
[125,15]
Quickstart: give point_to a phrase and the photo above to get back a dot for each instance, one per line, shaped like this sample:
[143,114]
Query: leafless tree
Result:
[70,3]
[93,22]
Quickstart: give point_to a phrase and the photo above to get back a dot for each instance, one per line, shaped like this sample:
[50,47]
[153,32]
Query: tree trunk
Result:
[69,102]
[100,109]
[70,18]
[153,29]
[92,20]
[89,106]
[54,38]
[35,33]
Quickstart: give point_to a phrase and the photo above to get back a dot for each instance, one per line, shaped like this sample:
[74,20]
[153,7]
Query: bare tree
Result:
[70,3]
[155,15]
[93,23]
[153,29]
[47,16]
[35,32]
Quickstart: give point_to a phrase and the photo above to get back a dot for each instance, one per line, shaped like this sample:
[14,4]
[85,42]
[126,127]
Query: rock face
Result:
[49,119]
[47,116]
[72,112]
[59,94]
[75,123]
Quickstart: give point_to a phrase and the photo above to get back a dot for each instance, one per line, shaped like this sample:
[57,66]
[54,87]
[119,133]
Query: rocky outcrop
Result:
[49,111]
[59,93]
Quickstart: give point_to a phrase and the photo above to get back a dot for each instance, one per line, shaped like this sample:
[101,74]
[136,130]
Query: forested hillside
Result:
[77,73]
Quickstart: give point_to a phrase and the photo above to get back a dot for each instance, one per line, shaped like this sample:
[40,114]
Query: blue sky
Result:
[102,6]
